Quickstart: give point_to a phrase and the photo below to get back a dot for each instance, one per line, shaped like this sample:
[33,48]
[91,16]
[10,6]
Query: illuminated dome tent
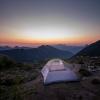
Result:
[57,70]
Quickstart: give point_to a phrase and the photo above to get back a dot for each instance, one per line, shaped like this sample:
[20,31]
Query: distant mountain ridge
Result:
[32,54]
[2,48]
[91,50]
[5,48]
[73,49]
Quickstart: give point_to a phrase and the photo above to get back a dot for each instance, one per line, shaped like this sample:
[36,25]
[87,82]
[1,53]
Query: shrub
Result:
[11,81]
[6,63]
[84,72]
[16,93]
[96,81]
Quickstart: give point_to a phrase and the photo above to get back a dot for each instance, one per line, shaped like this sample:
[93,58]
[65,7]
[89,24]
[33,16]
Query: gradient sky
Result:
[31,22]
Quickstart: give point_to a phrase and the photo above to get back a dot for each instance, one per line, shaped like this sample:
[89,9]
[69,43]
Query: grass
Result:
[13,80]
[14,74]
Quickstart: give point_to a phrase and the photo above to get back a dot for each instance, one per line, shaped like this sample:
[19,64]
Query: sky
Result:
[35,22]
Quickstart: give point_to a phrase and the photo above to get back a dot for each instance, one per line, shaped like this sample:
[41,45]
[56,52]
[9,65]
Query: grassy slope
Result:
[24,82]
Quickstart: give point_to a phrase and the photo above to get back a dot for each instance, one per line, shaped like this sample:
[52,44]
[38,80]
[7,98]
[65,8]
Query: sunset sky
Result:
[35,22]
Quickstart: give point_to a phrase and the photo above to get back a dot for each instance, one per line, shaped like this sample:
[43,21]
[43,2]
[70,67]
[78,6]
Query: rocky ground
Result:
[83,90]
[36,90]
[26,83]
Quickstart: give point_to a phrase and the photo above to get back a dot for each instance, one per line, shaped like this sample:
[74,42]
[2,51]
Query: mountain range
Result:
[28,54]
[91,50]
[34,54]
[73,49]
[5,48]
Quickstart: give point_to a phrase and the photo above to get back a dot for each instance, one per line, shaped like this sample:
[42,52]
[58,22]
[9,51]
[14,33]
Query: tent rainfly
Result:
[56,70]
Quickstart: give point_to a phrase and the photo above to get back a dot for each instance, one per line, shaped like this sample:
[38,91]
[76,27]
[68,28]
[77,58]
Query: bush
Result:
[96,81]
[84,72]
[11,81]
[6,63]
[7,82]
